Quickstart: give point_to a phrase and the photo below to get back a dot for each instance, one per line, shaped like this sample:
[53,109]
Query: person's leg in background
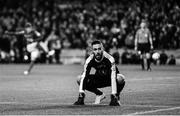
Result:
[148,57]
[34,55]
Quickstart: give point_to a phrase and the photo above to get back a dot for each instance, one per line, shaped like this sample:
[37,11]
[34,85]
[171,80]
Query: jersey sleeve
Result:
[113,77]
[150,37]
[86,71]
[136,38]
[113,73]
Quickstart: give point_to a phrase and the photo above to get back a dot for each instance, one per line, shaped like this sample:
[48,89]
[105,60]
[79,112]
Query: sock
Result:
[142,63]
[148,63]
[120,88]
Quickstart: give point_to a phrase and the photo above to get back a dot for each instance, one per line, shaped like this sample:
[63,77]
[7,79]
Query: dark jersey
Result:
[106,68]
[30,37]
[102,68]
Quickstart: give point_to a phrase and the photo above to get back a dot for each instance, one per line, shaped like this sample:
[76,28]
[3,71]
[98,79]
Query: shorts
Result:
[97,81]
[32,47]
[144,47]
[34,51]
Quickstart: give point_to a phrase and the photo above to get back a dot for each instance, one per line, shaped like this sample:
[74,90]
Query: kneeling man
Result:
[106,74]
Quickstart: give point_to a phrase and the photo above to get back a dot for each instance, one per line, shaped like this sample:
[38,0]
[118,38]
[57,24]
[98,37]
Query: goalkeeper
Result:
[106,75]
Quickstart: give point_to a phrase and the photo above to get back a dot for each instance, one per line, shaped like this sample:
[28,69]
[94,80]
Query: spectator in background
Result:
[99,19]
[129,41]
[125,58]
[163,58]
[116,56]
[172,60]
[54,44]
[135,58]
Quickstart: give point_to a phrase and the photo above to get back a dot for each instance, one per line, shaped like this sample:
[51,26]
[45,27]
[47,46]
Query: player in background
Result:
[143,45]
[106,74]
[34,44]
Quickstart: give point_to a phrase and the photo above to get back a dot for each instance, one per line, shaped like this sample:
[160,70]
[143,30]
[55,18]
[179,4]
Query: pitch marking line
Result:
[151,78]
[154,111]
[50,103]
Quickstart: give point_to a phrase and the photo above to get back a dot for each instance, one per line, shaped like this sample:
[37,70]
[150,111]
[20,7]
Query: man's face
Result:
[143,25]
[98,51]
[28,29]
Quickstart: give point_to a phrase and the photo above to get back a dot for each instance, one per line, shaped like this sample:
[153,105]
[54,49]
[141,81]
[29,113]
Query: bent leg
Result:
[34,56]
[90,84]
[120,83]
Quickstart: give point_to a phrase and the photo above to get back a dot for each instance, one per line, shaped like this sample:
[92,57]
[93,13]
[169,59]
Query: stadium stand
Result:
[78,21]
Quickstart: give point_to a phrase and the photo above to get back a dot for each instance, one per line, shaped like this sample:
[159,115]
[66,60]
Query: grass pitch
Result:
[52,89]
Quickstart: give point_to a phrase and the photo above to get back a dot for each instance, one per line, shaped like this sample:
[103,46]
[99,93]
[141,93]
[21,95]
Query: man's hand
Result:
[152,47]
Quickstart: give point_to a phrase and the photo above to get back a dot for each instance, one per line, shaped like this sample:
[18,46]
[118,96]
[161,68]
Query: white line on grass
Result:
[151,78]
[51,103]
[154,111]
[154,106]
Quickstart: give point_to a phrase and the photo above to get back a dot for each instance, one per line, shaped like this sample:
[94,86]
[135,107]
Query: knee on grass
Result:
[120,78]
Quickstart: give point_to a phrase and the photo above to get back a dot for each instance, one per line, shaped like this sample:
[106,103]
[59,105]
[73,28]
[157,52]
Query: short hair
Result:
[96,42]
[28,25]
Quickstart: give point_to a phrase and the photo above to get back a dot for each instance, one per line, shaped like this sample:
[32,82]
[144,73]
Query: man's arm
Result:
[86,72]
[113,77]
[136,40]
[113,73]
[150,39]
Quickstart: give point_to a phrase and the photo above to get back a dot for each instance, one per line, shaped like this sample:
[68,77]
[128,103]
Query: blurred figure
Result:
[163,58]
[135,58]
[172,60]
[33,44]
[55,44]
[4,57]
[125,57]
[114,43]
[88,50]
[143,44]
[116,56]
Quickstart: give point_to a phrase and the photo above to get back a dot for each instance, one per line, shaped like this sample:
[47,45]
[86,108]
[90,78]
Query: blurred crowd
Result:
[130,57]
[78,22]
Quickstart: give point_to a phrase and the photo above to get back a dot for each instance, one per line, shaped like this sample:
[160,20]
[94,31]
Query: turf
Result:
[52,89]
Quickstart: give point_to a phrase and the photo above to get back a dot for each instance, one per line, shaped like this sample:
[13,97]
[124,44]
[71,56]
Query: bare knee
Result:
[120,78]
